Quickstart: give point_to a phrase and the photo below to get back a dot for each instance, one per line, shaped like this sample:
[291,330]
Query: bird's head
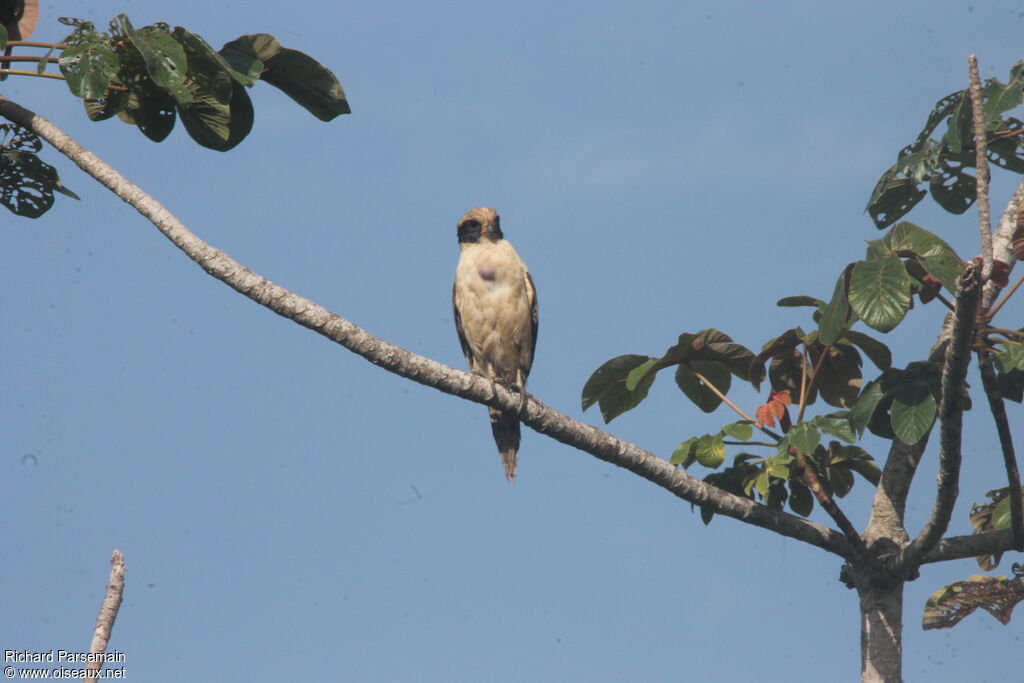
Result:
[479,224]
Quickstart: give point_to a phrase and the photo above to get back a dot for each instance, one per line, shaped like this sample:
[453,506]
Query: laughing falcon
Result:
[496,318]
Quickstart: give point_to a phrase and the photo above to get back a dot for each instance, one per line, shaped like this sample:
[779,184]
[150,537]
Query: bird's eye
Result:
[469,230]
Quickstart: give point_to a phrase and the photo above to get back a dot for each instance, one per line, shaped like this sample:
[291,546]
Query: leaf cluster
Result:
[27,183]
[942,164]
[152,76]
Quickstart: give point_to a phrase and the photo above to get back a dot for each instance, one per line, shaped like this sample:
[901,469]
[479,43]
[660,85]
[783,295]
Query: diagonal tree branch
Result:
[951,408]
[423,370]
[107,614]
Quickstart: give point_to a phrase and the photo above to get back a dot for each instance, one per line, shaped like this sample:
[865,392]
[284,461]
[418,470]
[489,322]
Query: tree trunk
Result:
[881,632]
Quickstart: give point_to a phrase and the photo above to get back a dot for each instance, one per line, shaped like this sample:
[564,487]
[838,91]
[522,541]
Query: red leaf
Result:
[1000,273]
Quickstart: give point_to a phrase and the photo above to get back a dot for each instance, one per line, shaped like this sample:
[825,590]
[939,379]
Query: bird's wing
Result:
[531,294]
[458,326]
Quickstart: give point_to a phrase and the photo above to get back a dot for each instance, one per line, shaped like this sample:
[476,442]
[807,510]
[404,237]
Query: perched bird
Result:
[496,318]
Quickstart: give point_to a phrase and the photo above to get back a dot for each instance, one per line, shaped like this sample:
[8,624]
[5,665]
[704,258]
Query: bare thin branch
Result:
[951,408]
[998,408]
[423,370]
[981,161]
[1006,297]
[107,615]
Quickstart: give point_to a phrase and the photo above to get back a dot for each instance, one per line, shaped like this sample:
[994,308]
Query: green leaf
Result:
[607,386]
[801,500]
[910,237]
[110,104]
[1001,513]
[3,39]
[89,67]
[1000,98]
[875,350]
[151,109]
[795,301]
[867,403]
[913,411]
[1011,359]
[804,437]
[220,114]
[27,183]
[778,465]
[741,430]
[953,189]
[710,451]
[639,373]
[164,56]
[1011,385]
[892,198]
[683,454]
[784,374]
[714,372]
[836,424]
[839,377]
[867,469]
[960,131]
[298,75]
[761,482]
[837,316]
[880,292]
[840,480]
[783,344]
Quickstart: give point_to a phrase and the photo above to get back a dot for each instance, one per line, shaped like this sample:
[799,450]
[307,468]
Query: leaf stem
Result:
[999,304]
[32,43]
[18,72]
[732,405]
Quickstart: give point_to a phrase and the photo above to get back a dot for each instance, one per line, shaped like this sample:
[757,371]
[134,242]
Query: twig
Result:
[423,370]
[998,408]
[14,58]
[725,399]
[1005,297]
[107,615]
[810,386]
[981,161]
[32,43]
[19,72]
[828,503]
[1000,330]
[951,408]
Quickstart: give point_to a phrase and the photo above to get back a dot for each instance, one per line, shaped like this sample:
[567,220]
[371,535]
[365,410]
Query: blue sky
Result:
[288,510]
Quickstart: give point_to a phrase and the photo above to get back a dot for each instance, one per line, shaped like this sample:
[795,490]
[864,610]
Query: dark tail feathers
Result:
[505,426]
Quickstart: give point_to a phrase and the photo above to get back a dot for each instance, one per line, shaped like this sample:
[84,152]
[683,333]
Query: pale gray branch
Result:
[961,547]
[981,161]
[424,370]
[107,614]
